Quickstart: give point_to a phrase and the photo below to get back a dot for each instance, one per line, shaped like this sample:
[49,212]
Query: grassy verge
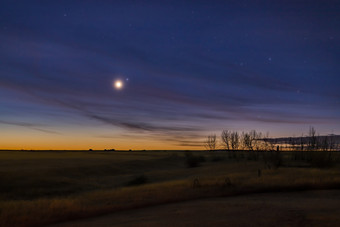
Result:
[40,212]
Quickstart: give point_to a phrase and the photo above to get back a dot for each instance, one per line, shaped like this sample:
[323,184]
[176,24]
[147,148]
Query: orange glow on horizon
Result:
[46,142]
[85,138]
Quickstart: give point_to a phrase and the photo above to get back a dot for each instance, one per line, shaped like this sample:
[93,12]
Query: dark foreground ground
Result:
[41,188]
[309,208]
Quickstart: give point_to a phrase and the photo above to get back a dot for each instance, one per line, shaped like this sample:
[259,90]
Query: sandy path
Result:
[310,208]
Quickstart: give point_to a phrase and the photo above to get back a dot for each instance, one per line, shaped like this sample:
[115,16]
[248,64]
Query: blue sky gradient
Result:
[190,68]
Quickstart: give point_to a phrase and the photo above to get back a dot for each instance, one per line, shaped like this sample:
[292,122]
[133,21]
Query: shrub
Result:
[320,159]
[138,180]
[273,159]
[217,158]
[193,161]
[299,155]
[253,155]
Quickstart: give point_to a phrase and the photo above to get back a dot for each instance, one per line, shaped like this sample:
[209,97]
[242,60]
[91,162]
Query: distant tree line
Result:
[255,141]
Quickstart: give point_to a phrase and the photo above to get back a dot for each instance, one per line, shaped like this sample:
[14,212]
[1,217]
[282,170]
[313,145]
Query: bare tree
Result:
[252,140]
[312,138]
[268,143]
[234,140]
[325,143]
[210,143]
[256,139]
[291,142]
[331,142]
[301,143]
[246,141]
[226,139]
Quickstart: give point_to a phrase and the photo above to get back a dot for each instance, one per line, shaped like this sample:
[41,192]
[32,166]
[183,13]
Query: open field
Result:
[40,188]
[311,208]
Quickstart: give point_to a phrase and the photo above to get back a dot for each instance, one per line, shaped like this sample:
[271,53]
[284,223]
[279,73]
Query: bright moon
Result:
[118,84]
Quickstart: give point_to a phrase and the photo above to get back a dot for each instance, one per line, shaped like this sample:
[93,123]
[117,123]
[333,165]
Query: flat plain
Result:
[49,187]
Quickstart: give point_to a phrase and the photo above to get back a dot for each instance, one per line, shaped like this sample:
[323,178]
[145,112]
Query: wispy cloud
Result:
[37,127]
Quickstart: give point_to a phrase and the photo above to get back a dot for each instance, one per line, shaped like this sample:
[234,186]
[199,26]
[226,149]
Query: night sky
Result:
[189,69]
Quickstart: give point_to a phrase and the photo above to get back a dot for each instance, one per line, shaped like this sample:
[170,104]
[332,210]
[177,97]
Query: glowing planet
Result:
[118,84]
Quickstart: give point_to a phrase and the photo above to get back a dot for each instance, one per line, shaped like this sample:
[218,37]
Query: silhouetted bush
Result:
[299,155]
[193,161]
[253,155]
[217,158]
[272,159]
[237,155]
[138,180]
[320,159]
[196,183]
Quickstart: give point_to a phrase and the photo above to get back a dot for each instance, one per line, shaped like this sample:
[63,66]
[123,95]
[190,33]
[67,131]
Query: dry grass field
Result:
[41,188]
[309,208]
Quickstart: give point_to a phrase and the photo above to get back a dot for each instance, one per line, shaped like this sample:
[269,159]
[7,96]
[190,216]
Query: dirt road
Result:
[310,208]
